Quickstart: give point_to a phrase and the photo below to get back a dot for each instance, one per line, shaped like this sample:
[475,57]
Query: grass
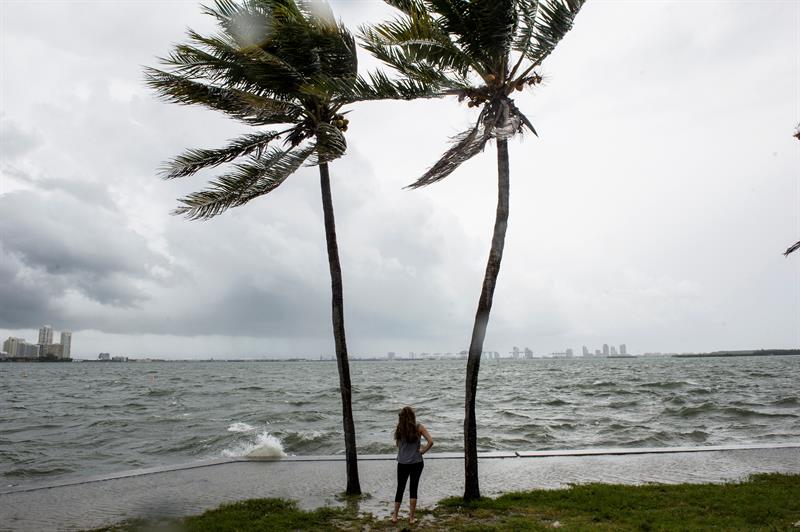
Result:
[763,502]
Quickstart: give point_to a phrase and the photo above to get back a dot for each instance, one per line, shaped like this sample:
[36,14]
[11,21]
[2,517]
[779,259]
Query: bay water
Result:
[64,421]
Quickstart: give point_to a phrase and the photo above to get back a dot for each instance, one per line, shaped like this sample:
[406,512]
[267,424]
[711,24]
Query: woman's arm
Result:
[425,434]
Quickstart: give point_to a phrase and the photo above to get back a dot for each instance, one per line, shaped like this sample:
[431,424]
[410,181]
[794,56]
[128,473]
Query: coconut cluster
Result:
[481,95]
[535,79]
[340,122]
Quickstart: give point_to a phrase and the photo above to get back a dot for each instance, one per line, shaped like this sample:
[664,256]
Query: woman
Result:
[409,458]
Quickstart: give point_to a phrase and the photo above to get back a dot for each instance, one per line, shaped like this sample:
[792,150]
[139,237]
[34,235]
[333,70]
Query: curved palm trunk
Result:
[353,485]
[471,487]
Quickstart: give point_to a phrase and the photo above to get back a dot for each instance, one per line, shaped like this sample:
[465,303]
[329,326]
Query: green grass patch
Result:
[763,502]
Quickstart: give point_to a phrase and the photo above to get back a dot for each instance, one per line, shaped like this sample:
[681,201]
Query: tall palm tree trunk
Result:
[471,486]
[337,307]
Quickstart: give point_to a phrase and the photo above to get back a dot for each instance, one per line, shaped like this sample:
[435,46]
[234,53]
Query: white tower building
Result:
[66,344]
[45,335]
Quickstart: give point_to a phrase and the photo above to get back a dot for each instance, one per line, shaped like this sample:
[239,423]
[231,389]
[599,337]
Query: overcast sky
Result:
[652,210]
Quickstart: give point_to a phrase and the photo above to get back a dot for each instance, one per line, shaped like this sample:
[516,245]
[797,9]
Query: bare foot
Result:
[394,518]
[412,521]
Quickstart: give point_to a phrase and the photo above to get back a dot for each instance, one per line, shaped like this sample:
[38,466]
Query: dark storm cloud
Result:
[23,300]
[73,245]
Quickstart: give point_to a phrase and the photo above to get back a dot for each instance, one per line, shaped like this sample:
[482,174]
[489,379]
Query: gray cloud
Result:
[14,140]
[72,245]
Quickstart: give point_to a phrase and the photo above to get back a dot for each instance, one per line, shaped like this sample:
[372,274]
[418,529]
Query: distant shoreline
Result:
[761,353]
[715,354]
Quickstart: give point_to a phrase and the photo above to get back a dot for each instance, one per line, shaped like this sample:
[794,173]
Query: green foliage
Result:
[263,514]
[764,502]
[478,51]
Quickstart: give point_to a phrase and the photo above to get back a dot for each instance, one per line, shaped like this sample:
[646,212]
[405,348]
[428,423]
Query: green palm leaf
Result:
[550,22]
[249,107]
[192,161]
[331,145]
[465,146]
[251,179]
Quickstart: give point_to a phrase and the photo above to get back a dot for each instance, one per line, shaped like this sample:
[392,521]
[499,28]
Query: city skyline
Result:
[44,348]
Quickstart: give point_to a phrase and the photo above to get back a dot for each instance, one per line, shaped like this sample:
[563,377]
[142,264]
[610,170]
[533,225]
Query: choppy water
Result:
[74,420]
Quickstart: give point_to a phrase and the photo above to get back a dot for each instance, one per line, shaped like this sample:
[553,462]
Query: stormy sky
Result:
[652,210]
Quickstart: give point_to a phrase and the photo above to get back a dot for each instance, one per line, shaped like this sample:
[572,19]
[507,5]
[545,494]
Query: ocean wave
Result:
[306,440]
[240,427]
[510,414]
[265,445]
[617,405]
[786,401]
[746,412]
[665,385]
[155,392]
[732,411]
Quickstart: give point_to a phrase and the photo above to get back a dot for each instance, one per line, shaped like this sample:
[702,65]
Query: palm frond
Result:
[793,247]
[251,68]
[375,86]
[465,146]
[417,49]
[553,19]
[256,177]
[409,7]
[192,161]
[483,30]
[331,145]
[248,107]
[421,39]
[526,29]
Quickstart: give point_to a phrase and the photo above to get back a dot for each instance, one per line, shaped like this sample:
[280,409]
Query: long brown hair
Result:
[406,426]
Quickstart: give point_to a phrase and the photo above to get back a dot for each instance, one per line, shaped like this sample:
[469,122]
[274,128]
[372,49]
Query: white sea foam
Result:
[241,427]
[265,446]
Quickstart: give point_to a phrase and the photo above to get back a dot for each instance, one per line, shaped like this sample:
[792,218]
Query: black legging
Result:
[403,472]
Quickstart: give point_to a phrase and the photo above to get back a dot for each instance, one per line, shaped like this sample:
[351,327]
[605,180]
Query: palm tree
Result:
[480,51]
[274,62]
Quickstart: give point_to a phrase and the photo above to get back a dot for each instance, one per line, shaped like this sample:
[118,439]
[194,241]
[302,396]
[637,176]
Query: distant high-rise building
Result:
[613,350]
[569,352]
[26,350]
[597,353]
[528,353]
[45,335]
[515,352]
[11,345]
[585,351]
[104,356]
[51,351]
[605,350]
[623,349]
[19,348]
[66,344]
